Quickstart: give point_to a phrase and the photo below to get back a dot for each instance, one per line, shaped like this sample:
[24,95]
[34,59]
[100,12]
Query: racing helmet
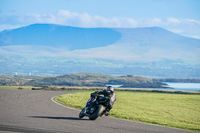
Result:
[110,88]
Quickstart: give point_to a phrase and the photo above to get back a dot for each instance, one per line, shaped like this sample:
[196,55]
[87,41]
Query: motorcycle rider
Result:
[109,94]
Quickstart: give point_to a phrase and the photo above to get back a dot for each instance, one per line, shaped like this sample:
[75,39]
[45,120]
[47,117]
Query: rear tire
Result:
[97,113]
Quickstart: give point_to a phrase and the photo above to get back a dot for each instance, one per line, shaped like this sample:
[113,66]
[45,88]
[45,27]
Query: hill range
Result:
[82,79]
[48,49]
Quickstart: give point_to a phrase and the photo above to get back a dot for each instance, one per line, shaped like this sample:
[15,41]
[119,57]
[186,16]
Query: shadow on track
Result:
[13,129]
[58,118]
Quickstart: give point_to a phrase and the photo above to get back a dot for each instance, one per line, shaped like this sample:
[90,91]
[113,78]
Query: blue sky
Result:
[179,16]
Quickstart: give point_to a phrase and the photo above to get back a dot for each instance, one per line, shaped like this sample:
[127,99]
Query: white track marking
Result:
[52,99]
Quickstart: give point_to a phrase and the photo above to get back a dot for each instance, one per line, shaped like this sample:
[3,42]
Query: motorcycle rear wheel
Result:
[97,113]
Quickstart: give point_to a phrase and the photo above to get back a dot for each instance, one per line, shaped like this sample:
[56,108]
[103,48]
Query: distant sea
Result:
[174,86]
[180,86]
[183,86]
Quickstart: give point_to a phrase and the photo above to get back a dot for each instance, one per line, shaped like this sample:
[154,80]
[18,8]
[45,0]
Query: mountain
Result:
[147,45]
[68,37]
[48,49]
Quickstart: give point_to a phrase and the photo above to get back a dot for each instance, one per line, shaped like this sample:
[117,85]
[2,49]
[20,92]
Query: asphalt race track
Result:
[33,111]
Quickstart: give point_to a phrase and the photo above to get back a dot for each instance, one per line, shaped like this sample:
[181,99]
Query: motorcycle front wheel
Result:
[81,114]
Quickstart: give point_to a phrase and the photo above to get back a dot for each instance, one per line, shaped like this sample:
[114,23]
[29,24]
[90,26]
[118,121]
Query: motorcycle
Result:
[94,107]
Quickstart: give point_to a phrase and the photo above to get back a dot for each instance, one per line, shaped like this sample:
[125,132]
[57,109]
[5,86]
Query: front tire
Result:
[97,113]
[81,114]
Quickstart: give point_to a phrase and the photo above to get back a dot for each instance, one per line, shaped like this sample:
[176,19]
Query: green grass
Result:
[17,87]
[172,110]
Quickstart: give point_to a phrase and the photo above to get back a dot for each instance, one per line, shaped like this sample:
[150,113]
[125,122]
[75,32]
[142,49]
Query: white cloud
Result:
[192,21]
[188,27]
[173,20]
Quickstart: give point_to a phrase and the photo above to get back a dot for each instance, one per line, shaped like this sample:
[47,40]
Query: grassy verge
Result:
[16,87]
[172,110]
[79,89]
[82,88]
